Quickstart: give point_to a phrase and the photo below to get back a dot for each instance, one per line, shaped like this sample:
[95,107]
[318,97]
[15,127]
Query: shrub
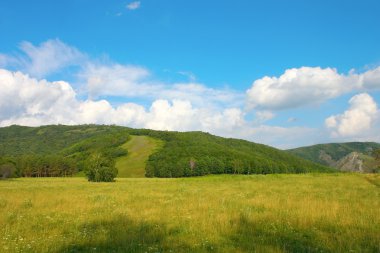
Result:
[100,168]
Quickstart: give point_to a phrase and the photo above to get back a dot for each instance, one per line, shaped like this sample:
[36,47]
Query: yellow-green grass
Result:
[272,213]
[139,149]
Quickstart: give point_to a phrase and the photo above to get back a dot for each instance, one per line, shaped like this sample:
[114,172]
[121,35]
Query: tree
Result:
[376,155]
[100,168]
[6,170]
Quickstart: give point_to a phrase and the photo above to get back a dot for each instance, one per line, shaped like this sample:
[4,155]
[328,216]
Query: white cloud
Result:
[134,81]
[28,101]
[100,78]
[371,79]
[177,106]
[202,95]
[307,85]
[262,116]
[357,121]
[189,75]
[133,5]
[284,137]
[47,58]
[24,100]
[116,80]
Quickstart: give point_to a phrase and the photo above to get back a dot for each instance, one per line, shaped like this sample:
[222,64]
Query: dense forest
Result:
[63,150]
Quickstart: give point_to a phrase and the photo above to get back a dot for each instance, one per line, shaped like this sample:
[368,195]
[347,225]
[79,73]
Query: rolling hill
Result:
[163,153]
[350,156]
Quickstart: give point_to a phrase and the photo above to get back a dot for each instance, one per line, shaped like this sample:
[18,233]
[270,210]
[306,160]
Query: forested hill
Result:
[198,153]
[350,156]
[182,154]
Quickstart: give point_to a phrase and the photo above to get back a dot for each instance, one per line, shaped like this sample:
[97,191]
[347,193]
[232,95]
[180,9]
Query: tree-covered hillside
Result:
[198,153]
[335,154]
[20,140]
[40,151]
[57,150]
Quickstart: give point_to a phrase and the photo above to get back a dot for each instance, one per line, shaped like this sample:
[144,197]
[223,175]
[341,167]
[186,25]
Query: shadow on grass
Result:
[125,235]
[264,237]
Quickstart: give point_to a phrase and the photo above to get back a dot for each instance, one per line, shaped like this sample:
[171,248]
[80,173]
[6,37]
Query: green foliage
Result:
[181,155]
[100,168]
[376,156]
[7,168]
[335,150]
[330,154]
[197,154]
[45,166]
[59,150]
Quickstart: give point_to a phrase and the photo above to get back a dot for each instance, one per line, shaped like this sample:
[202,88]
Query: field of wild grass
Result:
[272,213]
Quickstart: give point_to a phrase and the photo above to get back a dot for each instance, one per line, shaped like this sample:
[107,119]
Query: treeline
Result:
[37,166]
[197,154]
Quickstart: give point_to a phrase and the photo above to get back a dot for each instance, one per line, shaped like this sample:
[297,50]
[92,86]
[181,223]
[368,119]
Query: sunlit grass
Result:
[139,149]
[273,213]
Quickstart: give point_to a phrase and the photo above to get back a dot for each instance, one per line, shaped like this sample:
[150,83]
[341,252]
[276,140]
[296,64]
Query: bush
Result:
[100,168]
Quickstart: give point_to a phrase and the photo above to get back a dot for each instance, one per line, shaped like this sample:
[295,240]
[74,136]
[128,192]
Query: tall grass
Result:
[273,213]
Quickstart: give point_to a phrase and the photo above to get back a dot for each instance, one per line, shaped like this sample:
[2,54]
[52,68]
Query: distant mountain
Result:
[350,156]
[181,154]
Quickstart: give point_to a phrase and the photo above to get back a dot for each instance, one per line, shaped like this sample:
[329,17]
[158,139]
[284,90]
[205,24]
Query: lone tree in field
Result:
[100,168]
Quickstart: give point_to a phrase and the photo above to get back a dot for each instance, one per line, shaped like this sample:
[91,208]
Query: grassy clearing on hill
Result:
[139,149]
[272,213]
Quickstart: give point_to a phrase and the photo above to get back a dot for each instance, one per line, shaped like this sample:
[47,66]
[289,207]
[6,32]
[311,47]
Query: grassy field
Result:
[272,213]
[139,148]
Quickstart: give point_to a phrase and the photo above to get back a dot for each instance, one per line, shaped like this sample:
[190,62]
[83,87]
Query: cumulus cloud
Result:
[29,101]
[307,85]
[357,121]
[24,100]
[133,5]
[371,79]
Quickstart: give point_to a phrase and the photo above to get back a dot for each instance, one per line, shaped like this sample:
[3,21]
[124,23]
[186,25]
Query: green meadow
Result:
[139,149]
[225,213]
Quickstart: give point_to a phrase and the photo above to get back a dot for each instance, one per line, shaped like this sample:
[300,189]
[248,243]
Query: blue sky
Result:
[201,62]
